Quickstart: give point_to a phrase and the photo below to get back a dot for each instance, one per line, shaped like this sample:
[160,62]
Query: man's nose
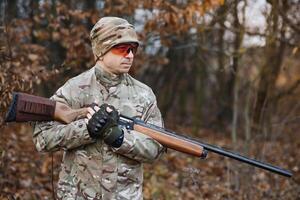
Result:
[130,54]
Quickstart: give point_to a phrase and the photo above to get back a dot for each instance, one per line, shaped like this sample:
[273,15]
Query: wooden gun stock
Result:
[26,107]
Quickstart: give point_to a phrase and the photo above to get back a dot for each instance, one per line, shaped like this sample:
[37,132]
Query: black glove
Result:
[104,125]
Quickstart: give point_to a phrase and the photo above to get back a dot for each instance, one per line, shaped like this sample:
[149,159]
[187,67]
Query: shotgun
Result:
[25,108]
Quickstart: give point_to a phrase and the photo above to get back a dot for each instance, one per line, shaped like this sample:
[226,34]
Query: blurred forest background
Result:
[224,71]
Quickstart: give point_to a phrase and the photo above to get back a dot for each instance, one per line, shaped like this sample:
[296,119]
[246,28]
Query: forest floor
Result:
[28,175]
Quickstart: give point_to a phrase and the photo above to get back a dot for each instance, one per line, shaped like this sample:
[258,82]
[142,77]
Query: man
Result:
[101,159]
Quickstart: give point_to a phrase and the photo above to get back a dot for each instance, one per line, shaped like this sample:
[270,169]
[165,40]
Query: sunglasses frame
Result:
[124,49]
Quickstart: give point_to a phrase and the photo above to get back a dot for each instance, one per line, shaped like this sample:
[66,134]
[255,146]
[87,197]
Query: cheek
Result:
[113,61]
[110,63]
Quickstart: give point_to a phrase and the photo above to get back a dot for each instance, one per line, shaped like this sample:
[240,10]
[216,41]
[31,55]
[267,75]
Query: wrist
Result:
[114,136]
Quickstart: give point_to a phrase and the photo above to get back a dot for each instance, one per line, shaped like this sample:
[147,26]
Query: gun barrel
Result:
[244,159]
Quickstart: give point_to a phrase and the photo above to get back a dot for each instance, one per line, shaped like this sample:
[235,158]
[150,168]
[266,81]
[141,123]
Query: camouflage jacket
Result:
[91,169]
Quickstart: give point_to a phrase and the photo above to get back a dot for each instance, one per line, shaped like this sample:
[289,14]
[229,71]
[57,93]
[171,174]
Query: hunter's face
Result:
[119,59]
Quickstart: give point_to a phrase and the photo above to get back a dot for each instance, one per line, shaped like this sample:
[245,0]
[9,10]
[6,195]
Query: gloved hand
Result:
[103,124]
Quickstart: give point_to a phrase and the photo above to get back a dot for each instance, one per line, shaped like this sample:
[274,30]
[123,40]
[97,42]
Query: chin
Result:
[123,71]
[125,68]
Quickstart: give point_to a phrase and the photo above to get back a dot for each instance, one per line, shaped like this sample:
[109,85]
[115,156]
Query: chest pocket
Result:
[131,109]
[128,101]
[88,95]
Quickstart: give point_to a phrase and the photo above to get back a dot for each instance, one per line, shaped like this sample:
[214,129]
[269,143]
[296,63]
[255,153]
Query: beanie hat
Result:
[110,31]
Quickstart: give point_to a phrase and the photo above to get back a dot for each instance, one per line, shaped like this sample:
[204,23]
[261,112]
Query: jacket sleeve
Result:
[52,136]
[140,147]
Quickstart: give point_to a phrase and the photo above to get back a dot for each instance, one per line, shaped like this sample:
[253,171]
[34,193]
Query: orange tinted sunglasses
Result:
[124,49]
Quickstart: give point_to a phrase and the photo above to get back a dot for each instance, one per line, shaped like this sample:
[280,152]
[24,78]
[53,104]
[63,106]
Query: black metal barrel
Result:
[244,159]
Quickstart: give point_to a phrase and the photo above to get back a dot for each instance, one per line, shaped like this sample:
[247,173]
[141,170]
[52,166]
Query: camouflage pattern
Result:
[110,31]
[90,168]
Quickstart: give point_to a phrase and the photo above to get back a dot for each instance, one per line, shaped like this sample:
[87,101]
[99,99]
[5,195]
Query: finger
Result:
[108,109]
[91,111]
[96,108]
[92,105]
[89,116]
[86,120]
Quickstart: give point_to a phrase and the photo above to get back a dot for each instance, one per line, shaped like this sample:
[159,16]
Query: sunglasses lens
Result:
[124,49]
[134,50]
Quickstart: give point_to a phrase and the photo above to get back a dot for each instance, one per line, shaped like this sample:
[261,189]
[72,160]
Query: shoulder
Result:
[69,92]
[138,84]
[82,79]
[140,87]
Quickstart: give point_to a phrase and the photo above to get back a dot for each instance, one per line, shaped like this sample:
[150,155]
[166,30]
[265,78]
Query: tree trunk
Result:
[225,85]
[264,105]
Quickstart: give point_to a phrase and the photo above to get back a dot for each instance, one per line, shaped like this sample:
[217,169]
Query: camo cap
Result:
[110,31]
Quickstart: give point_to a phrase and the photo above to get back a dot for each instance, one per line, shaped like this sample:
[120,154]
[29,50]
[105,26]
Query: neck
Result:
[106,77]
[106,69]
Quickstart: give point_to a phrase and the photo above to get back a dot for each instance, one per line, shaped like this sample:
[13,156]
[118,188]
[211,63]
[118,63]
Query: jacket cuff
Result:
[128,143]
